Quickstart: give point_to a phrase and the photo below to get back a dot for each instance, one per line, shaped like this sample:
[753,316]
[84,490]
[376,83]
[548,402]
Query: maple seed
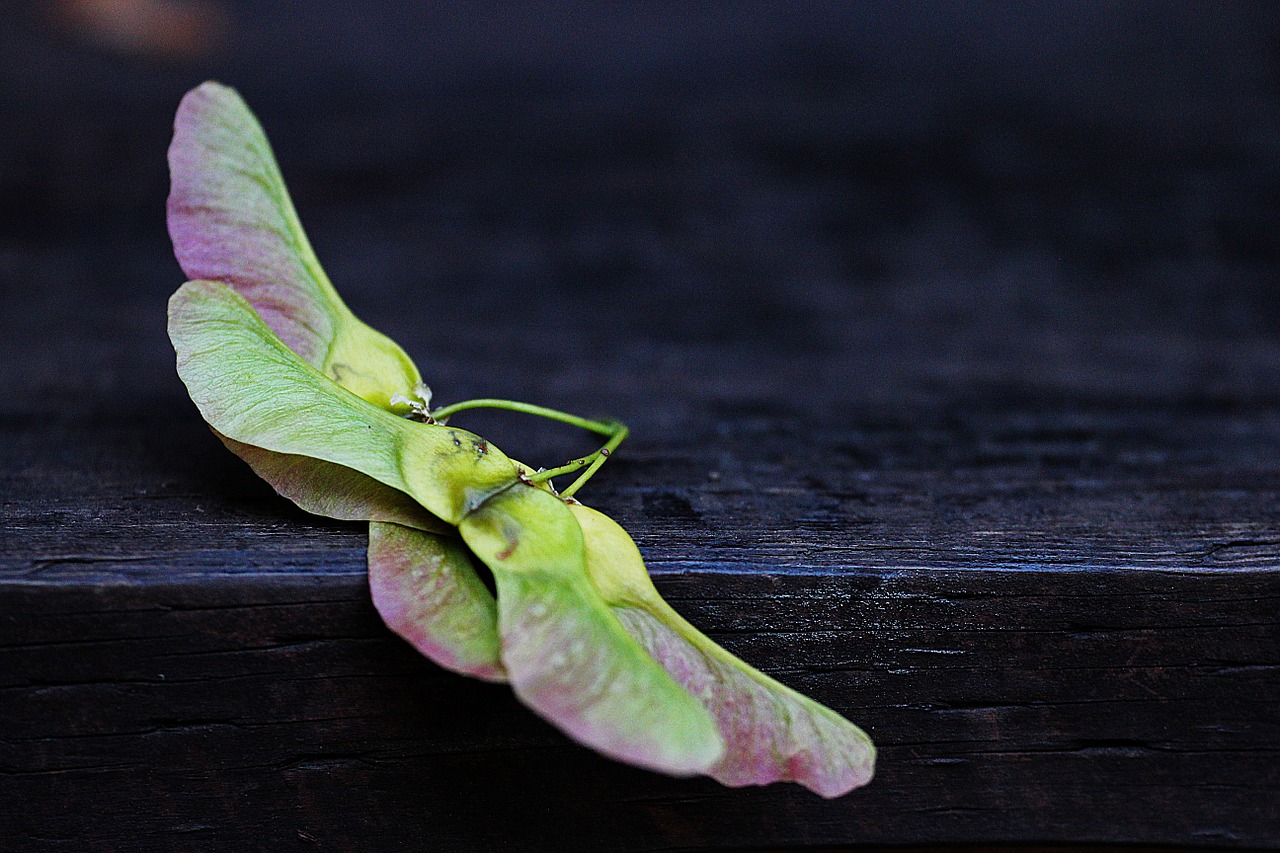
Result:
[312,399]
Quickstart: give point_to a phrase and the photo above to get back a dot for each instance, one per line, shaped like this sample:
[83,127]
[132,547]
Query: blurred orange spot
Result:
[172,30]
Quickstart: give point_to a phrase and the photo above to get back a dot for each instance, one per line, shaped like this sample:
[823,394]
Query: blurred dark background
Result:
[716,207]
[975,299]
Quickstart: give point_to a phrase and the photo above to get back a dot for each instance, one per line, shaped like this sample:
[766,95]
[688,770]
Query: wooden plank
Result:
[1009,706]
[210,652]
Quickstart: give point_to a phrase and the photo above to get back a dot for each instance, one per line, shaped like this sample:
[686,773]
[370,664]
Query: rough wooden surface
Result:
[962,418]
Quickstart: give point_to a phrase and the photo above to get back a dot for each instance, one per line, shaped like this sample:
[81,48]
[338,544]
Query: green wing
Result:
[566,654]
[253,389]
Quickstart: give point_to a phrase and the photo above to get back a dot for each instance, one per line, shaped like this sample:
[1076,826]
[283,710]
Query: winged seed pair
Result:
[334,415]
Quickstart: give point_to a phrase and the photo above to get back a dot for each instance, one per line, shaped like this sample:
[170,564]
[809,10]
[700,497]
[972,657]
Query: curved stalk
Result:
[615,430]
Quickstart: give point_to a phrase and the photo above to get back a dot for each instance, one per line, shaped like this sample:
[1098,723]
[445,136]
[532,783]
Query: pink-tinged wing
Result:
[427,591]
[332,490]
[566,655]
[231,220]
[771,732]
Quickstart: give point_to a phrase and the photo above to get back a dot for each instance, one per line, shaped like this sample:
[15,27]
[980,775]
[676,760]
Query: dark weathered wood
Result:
[1009,706]
[961,416]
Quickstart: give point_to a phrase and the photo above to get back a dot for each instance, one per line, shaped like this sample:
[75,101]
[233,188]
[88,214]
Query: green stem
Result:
[616,431]
[599,427]
[568,467]
[601,456]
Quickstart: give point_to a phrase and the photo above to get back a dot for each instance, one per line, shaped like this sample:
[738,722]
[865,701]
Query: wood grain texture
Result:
[958,412]
[1008,706]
